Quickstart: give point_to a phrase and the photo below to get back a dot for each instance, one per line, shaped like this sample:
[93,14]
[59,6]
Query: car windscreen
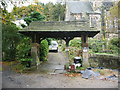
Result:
[54,44]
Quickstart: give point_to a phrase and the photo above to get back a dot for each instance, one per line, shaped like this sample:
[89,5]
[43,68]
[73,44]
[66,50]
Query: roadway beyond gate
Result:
[54,65]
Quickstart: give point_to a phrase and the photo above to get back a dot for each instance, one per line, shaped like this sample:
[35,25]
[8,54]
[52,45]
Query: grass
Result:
[80,68]
[19,68]
[105,54]
[15,66]
[1,69]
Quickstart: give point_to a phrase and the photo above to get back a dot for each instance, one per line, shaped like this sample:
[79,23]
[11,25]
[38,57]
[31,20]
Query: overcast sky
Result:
[46,1]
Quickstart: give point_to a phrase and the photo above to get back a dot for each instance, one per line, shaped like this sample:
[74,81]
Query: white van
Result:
[53,46]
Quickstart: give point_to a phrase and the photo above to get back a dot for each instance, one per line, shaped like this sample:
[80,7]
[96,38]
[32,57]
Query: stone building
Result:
[111,22]
[90,10]
[82,10]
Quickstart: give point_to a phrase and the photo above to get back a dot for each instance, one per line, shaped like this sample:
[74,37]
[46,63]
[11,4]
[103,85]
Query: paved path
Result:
[55,64]
[45,77]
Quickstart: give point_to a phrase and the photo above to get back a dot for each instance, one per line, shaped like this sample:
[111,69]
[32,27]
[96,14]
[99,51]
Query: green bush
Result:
[23,48]
[114,44]
[96,45]
[44,50]
[10,39]
[75,43]
[49,40]
[23,51]
[26,61]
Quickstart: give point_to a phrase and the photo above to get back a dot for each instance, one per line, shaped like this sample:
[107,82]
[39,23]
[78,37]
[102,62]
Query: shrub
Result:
[114,44]
[23,48]
[26,61]
[75,43]
[23,51]
[43,50]
[96,45]
[10,39]
[49,40]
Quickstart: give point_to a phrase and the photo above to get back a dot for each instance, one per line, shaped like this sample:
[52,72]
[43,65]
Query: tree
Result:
[59,12]
[109,20]
[27,20]
[119,15]
[35,16]
[6,16]
[29,13]
[114,16]
[14,45]
[25,11]
[10,39]
[54,12]
[48,11]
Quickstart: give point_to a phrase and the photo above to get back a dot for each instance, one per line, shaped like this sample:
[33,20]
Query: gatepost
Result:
[85,51]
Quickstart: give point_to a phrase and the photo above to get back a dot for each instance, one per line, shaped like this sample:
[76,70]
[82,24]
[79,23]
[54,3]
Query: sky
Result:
[46,1]
[10,6]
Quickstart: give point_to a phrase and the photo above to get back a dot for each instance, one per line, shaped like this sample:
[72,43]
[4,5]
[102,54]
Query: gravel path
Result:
[49,75]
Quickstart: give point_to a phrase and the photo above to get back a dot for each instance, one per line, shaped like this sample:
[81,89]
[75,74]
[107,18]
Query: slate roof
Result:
[59,26]
[59,29]
[80,7]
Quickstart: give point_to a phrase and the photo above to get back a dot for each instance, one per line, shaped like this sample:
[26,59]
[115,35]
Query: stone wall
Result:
[107,61]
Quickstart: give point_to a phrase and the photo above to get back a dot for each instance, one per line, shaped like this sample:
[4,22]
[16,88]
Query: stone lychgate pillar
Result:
[85,52]
[35,54]
[35,49]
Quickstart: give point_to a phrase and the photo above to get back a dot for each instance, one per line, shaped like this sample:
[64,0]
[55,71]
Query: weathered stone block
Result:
[35,54]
